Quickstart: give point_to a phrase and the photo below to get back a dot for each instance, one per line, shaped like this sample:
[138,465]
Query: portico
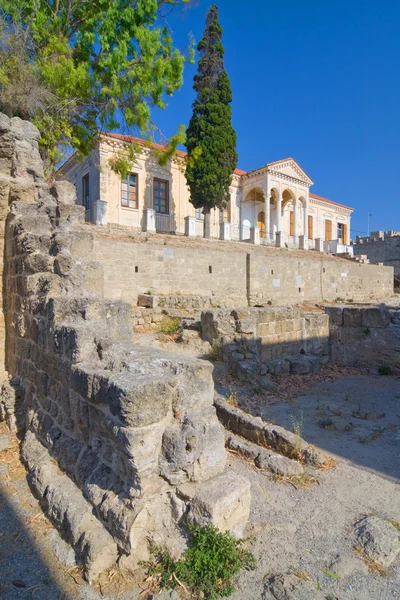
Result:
[275,199]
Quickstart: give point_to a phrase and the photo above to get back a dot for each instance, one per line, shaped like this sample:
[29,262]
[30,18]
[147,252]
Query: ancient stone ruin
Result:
[121,442]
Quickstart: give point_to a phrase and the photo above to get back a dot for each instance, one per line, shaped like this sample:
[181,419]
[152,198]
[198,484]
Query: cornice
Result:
[334,207]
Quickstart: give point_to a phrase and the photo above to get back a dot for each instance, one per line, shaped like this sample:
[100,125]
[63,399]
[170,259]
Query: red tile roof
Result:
[329,201]
[131,138]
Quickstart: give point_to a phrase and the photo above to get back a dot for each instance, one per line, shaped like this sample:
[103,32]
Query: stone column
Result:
[305,224]
[295,221]
[319,244]
[267,211]
[279,213]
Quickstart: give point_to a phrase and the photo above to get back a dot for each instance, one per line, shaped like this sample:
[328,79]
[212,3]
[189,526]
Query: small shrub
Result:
[170,325]
[384,370]
[208,566]
[216,353]
[148,293]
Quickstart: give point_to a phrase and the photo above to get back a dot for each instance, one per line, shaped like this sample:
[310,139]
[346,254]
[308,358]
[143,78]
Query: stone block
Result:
[378,539]
[246,370]
[193,450]
[98,551]
[264,458]
[395,316]
[375,317]
[352,317]
[223,501]
[147,301]
[305,364]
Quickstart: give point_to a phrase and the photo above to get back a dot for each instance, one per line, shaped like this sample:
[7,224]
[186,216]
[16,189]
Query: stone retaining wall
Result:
[364,336]
[232,278]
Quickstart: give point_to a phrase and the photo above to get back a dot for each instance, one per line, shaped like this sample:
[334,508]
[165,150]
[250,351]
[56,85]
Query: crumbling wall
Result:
[118,439]
[366,336]
[265,340]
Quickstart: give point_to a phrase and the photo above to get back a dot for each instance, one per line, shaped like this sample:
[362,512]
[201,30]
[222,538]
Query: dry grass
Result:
[11,458]
[116,581]
[374,567]
[304,480]
[329,464]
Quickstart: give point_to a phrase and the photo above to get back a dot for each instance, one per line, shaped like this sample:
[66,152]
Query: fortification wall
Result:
[232,277]
[386,251]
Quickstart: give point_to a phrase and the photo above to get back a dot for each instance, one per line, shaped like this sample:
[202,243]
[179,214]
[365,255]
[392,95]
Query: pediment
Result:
[290,168]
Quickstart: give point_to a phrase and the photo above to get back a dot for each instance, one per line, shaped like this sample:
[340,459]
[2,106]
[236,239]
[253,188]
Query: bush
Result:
[170,325]
[208,566]
[385,370]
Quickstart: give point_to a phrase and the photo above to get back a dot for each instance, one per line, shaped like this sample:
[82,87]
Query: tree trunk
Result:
[207,222]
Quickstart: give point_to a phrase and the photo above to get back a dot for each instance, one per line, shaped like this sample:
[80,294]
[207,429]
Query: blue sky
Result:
[317,80]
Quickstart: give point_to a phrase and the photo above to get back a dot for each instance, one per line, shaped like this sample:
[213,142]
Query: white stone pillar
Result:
[319,244]
[224,231]
[305,224]
[303,242]
[149,220]
[190,226]
[279,243]
[100,212]
[267,211]
[279,213]
[254,235]
[295,221]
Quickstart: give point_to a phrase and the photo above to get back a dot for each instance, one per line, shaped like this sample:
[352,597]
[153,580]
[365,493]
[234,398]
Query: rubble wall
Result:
[365,336]
[111,430]
[276,340]
[232,278]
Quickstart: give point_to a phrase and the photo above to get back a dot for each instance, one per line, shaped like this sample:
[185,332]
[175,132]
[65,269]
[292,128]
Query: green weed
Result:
[207,568]
[169,325]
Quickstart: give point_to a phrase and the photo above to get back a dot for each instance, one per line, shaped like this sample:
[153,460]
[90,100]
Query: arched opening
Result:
[261,223]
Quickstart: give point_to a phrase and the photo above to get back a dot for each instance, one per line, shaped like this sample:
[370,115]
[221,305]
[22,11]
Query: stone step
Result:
[264,458]
[66,507]
[267,435]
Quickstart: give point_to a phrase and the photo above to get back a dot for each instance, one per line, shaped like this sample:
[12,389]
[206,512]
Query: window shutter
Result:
[310,227]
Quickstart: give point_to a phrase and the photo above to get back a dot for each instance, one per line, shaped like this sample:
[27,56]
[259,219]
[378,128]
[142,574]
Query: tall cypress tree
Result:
[211,139]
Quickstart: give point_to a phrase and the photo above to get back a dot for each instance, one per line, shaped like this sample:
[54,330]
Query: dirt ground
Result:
[306,531]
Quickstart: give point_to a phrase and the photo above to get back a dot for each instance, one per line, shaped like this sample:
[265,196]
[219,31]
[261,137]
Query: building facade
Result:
[270,205]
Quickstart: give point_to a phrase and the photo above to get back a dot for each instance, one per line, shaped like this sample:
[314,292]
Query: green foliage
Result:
[211,139]
[208,566]
[385,370]
[170,325]
[94,65]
